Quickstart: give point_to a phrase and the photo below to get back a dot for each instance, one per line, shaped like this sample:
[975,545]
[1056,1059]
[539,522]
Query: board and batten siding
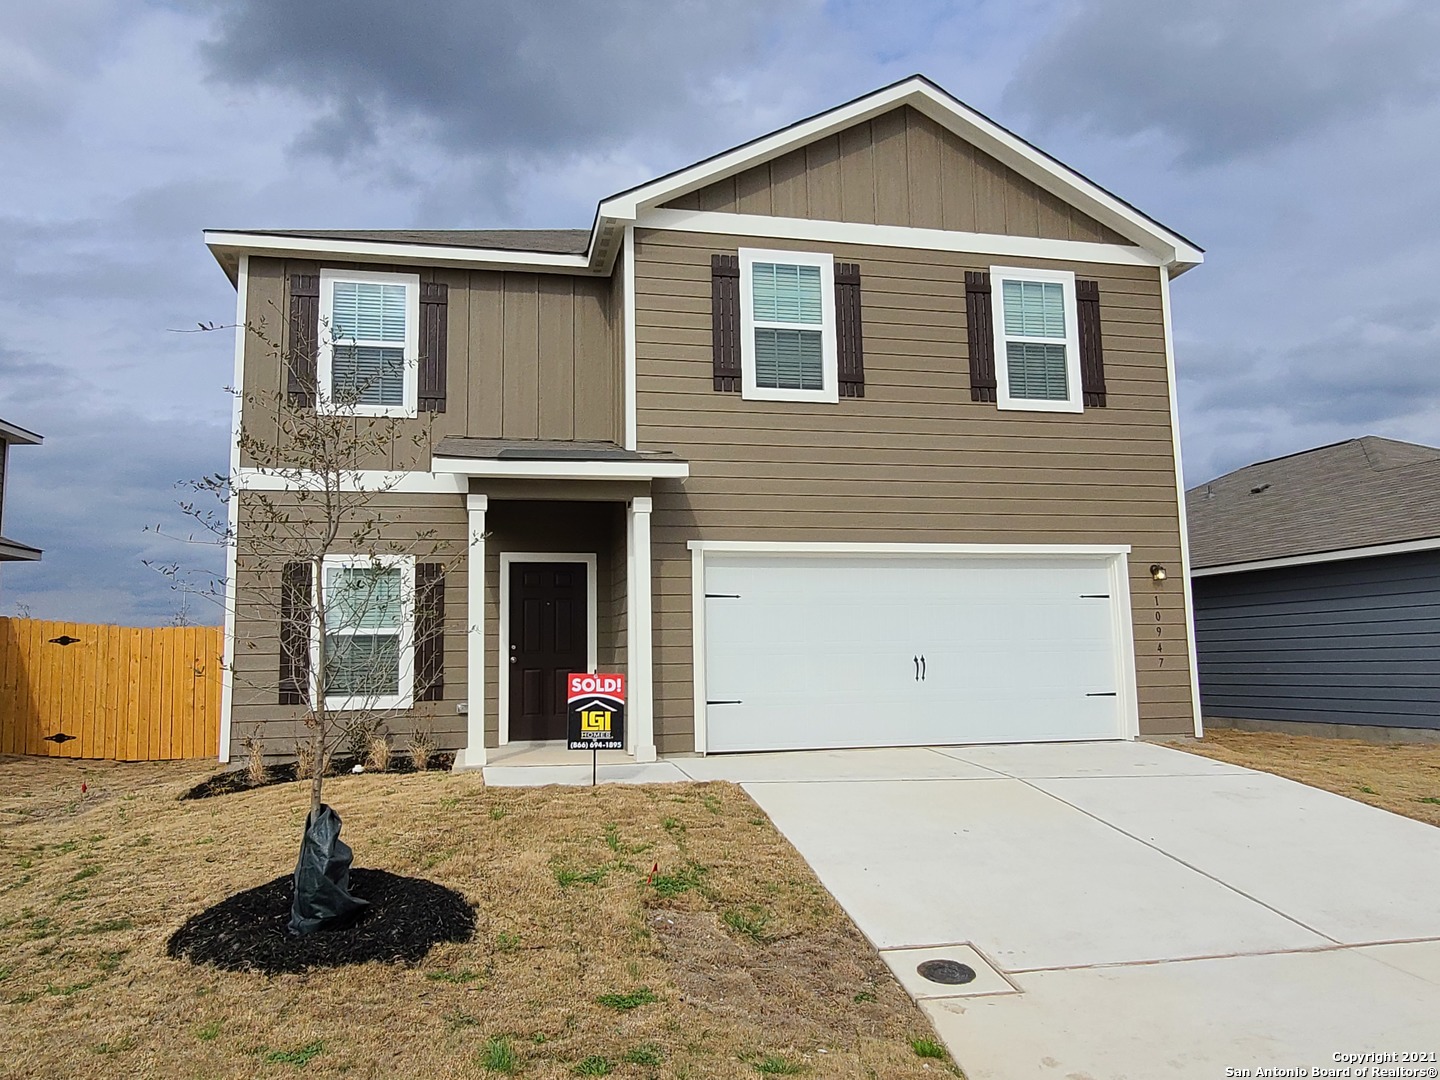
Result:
[1354,642]
[914,460]
[432,528]
[529,356]
[901,168]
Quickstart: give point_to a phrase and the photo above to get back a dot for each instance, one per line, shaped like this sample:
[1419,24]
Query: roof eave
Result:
[14,433]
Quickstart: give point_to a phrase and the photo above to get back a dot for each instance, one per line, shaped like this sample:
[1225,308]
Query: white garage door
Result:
[805,652]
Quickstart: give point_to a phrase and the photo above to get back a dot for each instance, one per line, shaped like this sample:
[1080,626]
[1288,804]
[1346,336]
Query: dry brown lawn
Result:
[748,960]
[1402,778]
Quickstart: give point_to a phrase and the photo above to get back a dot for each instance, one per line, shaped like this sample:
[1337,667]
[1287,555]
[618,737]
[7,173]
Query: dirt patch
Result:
[1403,778]
[39,788]
[567,962]
[807,986]
[406,917]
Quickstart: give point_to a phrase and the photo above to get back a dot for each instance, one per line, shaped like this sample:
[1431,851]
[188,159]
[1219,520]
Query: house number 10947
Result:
[1159,645]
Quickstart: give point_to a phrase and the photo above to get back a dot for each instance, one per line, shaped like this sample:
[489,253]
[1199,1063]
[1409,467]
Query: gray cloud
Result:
[1223,78]
[542,79]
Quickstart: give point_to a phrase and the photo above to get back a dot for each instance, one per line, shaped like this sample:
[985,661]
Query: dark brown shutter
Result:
[725,321]
[982,335]
[1092,352]
[295,585]
[300,371]
[434,328]
[429,631]
[849,336]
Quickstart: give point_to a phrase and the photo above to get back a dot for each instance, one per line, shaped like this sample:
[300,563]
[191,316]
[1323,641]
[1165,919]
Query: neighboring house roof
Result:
[14,433]
[14,551]
[602,240]
[1361,493]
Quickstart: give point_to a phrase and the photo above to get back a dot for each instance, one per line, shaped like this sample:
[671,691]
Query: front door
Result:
[548,624]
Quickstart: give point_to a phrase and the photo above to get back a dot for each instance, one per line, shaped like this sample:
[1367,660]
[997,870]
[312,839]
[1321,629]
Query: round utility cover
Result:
[949,972]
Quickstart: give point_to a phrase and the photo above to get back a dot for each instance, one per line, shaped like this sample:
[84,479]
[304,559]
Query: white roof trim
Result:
[385,251]
[510,469]
[14,433]
[1374,550]
[900,236]
[865,547]
[945,110]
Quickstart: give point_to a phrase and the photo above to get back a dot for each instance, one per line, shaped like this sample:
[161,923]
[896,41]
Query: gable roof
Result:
[513,248]
[1359,493]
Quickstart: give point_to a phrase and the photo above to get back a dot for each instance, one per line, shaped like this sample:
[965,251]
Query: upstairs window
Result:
[369,342]
[1037,341]
[787,326]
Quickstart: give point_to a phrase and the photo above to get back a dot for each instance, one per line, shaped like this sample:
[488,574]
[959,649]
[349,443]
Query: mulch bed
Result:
[233,780]
[247,931]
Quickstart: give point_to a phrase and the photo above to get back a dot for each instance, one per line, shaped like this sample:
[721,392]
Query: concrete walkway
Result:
[1131,911]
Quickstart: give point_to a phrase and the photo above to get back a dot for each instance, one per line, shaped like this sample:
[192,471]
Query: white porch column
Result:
[639,627]
[473,756]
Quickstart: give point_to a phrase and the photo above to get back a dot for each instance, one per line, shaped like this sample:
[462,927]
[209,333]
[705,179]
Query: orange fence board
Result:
[117,692]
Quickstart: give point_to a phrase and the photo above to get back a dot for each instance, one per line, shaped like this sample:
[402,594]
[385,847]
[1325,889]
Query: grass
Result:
[594,1065]
[302,1056]
[929,1048]
[775,1065]
[752,922]
[648,977]
[625,1002]
[1403,778]
[645,1054]
[498,1056]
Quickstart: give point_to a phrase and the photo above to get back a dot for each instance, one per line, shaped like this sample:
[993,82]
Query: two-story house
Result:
[860,434]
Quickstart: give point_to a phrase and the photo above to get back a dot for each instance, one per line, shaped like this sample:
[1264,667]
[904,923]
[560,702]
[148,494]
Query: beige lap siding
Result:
[901,168]
[527,356]
[257,620]
[915,460]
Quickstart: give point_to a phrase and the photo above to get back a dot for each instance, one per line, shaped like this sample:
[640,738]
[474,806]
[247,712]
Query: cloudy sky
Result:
[1297,142]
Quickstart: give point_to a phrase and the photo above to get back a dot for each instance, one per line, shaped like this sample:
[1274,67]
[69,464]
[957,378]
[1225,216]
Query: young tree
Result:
[357,598]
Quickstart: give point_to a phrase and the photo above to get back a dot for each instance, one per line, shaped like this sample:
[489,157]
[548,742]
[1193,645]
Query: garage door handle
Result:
[922,668]
[1107,693]
[735,701]
[916,661]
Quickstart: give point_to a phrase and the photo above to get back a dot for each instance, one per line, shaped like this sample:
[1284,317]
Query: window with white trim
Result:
[1037,340]
[369,632]
[369,342]
[787,326]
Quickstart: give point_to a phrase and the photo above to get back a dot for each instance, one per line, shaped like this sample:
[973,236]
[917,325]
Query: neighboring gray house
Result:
[1317,592]
[13,435]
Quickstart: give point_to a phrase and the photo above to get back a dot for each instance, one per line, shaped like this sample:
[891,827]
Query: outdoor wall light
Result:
[1157,572]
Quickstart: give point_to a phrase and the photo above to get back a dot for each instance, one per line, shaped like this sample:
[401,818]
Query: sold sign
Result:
[596,712]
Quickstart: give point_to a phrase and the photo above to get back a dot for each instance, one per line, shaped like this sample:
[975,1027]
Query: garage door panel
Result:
[822,652]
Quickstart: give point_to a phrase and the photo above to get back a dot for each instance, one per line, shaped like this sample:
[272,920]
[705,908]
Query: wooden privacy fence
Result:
[127,693]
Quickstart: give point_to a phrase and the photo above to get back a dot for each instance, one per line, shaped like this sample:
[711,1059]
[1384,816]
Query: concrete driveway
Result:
[1131,911]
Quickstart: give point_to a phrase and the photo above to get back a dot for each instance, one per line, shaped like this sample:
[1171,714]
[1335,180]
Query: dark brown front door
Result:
[547,642]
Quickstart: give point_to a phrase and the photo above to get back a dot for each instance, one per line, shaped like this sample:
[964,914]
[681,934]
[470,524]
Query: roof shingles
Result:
[1352,494]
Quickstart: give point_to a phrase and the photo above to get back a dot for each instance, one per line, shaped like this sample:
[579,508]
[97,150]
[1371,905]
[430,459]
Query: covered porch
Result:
[559,579]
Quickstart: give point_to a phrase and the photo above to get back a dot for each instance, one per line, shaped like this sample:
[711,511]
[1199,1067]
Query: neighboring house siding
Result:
[1352,642]
[433,528]
[914,460]
[528,356]
[902,168]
